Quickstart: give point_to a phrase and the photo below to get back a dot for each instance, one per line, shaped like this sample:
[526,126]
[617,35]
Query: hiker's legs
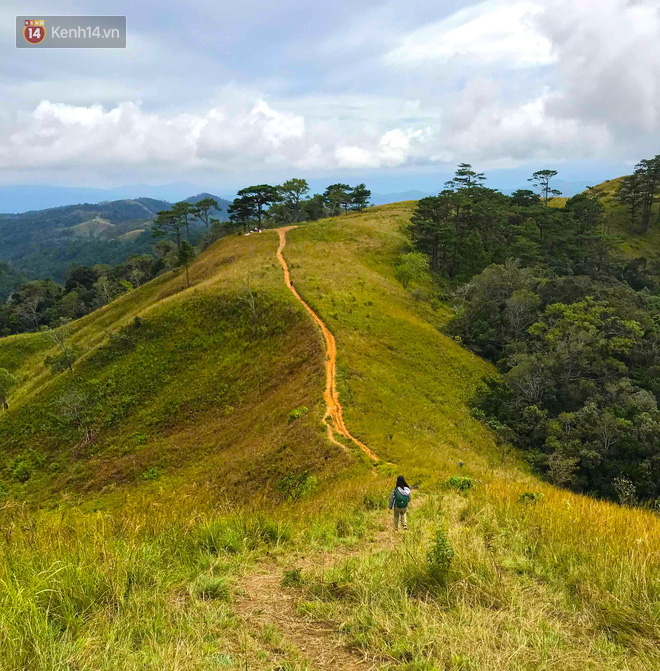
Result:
[404,517]
[396,518]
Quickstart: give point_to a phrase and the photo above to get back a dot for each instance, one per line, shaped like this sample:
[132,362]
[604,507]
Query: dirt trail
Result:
[262,602]
[333,409]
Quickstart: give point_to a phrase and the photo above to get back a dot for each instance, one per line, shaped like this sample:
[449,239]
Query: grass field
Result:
[171,542]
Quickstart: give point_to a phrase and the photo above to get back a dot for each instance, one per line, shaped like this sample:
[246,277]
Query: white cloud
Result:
[492,33]
[244,129]
[500,82]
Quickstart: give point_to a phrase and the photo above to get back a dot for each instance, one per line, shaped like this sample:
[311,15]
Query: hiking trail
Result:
[333,409]
[263,603]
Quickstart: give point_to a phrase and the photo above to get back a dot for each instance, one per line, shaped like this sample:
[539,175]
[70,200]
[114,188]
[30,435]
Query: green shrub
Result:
[211,588]
[21,470]
[530,497]
[297,413]
[460,482]
[3,492]
[422,575]
[61,362]
[439,557]
[293,487]
[152,474]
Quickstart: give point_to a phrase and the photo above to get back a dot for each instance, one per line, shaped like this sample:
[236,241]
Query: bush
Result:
[58,363]
[152,474]
[427,575]
[297,413]
[530,497]
[440,557]
[21,470]
[460,482]
[293,487]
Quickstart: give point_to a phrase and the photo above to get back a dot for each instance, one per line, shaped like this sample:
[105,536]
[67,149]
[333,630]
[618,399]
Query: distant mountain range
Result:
[43,243]
[46,233]
[26,198]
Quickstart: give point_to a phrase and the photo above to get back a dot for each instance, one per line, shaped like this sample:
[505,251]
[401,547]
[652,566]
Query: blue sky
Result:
[222,94]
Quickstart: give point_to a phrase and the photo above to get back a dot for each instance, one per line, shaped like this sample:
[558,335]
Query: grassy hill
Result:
[632,243]
[174,502]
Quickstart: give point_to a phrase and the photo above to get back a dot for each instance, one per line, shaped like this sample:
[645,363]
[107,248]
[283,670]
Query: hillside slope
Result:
[632,243]
[202,500]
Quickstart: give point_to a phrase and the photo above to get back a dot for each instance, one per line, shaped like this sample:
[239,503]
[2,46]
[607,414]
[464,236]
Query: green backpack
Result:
[401,500]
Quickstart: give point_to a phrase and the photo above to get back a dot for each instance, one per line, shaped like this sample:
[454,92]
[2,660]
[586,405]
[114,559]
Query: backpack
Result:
[401,500]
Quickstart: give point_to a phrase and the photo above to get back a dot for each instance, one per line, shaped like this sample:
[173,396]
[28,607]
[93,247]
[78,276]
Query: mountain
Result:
[43,243]
[220,213]
[198,491]
[387,198]
[23,198]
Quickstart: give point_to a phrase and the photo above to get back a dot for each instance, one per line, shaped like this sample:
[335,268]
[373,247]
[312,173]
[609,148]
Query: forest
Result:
[572,325]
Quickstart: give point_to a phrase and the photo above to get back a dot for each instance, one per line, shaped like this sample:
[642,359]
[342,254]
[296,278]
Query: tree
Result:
[169,224]
[202,210]
[185,212]
[466,178]
[7,382]
[541,180]
[186,256]
[412,266]
[292,195]
[68,353]
[242,211]
[432,230]
[337,197]
[314,208]
[34,301]
[630,195]
[525,198]
[72,305]
[648,173]
[360,197]
[260,196]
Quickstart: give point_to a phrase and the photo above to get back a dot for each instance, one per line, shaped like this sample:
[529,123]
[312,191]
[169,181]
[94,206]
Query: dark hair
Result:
[401,482]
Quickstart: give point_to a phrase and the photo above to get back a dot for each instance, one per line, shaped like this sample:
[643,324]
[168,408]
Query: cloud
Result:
[608,62]
[245,129]
[491,33]
[497,82]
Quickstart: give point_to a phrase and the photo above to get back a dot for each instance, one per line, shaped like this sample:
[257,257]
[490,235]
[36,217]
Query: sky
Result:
[226,93]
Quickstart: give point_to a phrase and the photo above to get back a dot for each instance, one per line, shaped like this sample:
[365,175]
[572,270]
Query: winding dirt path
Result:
[333,409]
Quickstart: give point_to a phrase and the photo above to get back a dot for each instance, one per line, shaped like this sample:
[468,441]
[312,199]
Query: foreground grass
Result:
[565,581]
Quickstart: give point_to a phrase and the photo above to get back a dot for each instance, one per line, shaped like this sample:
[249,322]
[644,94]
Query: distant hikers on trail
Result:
[399,501]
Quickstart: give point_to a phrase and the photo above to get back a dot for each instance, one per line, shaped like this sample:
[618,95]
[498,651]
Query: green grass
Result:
[130,553]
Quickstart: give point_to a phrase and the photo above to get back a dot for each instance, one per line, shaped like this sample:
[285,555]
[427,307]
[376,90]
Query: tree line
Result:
[468,226]
[572,327]
[289,203]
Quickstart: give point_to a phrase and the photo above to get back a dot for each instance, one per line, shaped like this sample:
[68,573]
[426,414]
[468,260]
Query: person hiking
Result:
[399,501]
